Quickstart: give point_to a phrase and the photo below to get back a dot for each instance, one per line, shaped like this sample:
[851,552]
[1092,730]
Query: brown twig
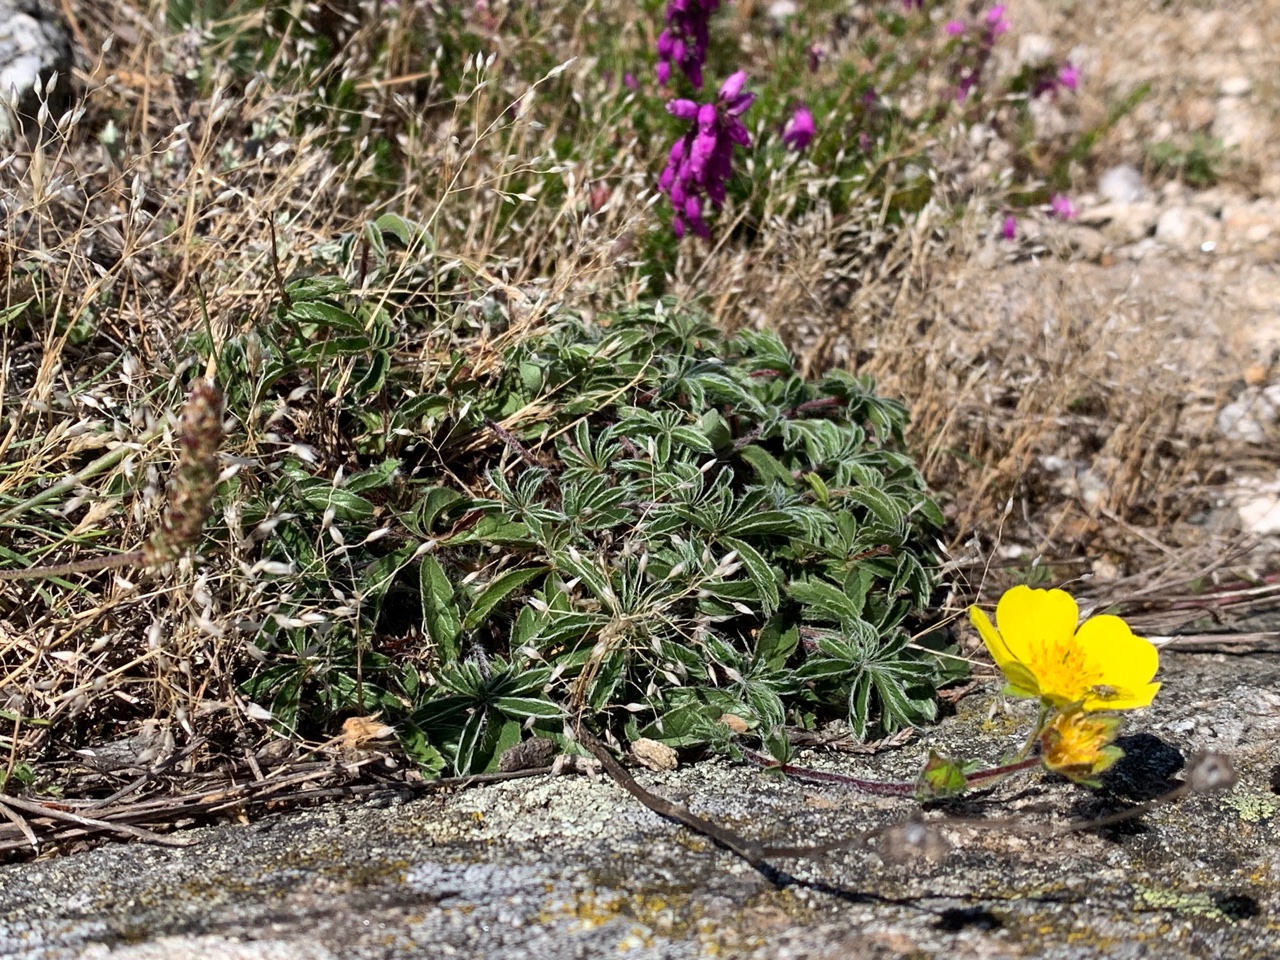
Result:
[42,811]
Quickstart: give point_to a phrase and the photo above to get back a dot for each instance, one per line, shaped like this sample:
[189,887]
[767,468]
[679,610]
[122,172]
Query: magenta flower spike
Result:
[1061,204]
[1069,76]
[800,130]
[701,162]
[684,42]
[996,21]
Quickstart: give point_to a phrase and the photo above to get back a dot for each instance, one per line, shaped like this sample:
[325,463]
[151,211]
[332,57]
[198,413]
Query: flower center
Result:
[1064,669]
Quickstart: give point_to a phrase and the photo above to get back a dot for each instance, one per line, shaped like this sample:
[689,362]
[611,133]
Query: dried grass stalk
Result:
[192,487]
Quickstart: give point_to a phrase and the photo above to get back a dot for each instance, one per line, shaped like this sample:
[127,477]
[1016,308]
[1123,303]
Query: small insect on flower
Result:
[1036,645]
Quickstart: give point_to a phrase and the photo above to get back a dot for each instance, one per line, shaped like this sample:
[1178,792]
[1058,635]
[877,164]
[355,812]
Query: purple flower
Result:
[954,27]
[630,82]
[1069,76]
[799,131]
[1061,204]
[1009,229]
[684,42]
[816,56]
[700,162]
[909,5]
[996,22]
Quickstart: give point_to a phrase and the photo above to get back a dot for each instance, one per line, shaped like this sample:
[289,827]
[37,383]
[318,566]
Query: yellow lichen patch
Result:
[1195,904]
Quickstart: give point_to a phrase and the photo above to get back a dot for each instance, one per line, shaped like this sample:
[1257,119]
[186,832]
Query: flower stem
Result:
[88,565]
[1035,734]
[880,788]
[890,788]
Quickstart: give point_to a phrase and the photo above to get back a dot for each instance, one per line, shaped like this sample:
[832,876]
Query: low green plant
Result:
[633,516]
[1197,162]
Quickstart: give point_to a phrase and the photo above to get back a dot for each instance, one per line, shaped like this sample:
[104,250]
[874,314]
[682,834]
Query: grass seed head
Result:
[191,490]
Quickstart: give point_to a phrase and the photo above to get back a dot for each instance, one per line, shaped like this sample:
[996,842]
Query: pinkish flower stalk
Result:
[800,130]
[996,21]
[684,42]
[1069,77]
[1061,205]
[1009,229]
[700,162]
[954,28]
[993,24]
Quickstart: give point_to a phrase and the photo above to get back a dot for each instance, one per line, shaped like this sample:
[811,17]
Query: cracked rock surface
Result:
[34,49]
[574,867]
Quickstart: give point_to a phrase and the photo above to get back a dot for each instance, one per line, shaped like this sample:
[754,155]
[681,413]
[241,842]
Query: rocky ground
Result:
[573,867]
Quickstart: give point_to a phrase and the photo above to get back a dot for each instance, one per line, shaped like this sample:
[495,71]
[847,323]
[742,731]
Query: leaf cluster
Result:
[634,516]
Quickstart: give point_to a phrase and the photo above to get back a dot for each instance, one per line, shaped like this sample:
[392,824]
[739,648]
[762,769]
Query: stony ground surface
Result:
[573,867]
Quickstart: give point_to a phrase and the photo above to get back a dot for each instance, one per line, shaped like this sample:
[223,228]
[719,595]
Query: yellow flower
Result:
[1079,746]
[1101,666]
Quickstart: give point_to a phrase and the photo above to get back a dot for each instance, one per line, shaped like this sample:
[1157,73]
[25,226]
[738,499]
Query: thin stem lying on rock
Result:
[1207,772]
[887,788]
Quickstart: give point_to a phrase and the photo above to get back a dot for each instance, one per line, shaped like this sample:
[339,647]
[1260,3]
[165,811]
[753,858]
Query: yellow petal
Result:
[1022,682]
[991,637]
[1132,698]
[1035,619]
[1128,662]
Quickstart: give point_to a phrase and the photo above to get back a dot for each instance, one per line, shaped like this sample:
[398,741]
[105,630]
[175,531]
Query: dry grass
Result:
[160,224]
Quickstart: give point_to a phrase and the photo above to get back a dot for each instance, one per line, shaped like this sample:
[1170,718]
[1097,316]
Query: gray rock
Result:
[1122,184]
[1237,86]
[34,50]
[1236,124]
[1187,228]
[1123,222]
[1250,222]
[573,867]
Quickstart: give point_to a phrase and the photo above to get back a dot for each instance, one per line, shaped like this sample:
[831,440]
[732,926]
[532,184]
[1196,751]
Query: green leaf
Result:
[374,479]
[326,315]
[470,744]
[412,235]
[497,590]
[347,506]
[941,777]
[528,707]
[761,524]
[418,749]
[373,380]
[778,745]
[776,642]
[11,313]
[431,505]
[885,509]
[767,467]
[440,618]
[824,600]
[502,737]
[716,430]
[764,577]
